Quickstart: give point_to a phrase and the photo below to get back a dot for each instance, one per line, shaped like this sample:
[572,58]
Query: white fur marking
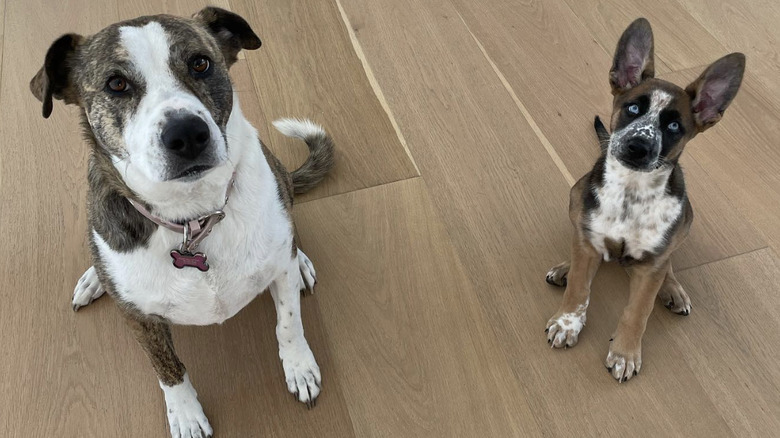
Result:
[642,220]
[88,289]
[185,414]
[298,128]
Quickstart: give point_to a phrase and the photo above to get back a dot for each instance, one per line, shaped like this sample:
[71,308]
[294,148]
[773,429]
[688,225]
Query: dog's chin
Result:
[638,166]
[191,173]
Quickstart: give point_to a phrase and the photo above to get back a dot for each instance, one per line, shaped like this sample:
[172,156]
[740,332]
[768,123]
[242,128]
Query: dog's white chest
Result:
[634,211]
[246,252]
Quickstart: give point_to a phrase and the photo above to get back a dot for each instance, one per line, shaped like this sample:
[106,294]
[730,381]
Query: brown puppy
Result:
[632,207]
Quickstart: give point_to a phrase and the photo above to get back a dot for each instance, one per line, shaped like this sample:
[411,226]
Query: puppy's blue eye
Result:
[633,109]
[674,126]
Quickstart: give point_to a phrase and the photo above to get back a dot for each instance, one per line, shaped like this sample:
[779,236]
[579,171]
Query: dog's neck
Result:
[633,181]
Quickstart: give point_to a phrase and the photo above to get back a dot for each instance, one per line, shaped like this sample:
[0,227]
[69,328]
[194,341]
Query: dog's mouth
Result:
[192,173]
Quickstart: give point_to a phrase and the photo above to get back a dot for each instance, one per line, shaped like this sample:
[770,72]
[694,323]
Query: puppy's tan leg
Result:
[624,359]
[564,327]
[673,296]
[185,415]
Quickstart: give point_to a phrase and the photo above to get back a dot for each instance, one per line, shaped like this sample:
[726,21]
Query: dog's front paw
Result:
[185,415]
[623,363]
[302,374]
[308,274]
[87,290]
[563,329]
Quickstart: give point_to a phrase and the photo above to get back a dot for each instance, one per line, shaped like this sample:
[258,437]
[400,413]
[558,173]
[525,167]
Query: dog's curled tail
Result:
[320,159]
[601,133]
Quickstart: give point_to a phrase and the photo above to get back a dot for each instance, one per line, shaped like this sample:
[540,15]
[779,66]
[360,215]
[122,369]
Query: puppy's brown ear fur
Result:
[634,59]
[53,80]
[231,31]
[714,90]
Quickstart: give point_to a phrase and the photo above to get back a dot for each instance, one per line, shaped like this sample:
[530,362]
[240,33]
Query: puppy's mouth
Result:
[192,173]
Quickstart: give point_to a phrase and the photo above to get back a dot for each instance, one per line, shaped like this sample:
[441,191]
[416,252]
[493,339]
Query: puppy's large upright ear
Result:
[54,80]
[231,31]
[714,90]
[633,61]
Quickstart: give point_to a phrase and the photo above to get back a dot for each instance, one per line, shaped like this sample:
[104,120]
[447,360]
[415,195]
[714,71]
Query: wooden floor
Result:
[460,127]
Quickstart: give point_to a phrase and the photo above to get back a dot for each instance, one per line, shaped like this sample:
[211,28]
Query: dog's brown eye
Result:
[117,84]
[200,64]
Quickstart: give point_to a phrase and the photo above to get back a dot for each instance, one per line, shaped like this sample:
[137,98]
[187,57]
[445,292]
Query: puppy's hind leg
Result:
[87,290]
[308,274]
[556,276]
[301,371]
[673,296]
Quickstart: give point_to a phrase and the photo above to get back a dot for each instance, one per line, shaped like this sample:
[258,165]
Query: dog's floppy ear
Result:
[231,31]
[714,90]
[633,61]
[53,80]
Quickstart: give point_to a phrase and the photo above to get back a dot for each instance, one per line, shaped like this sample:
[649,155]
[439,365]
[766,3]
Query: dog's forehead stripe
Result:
[149,50]
[659,100]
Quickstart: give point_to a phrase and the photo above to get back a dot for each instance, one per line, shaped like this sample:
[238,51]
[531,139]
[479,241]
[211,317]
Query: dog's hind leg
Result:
[301,371]
[185,414]
[308,274]
[87,290]
[556,276]
[673,296]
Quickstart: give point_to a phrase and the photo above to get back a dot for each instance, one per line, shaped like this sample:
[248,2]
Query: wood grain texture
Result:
[680,41]
[308,68]
[414,351]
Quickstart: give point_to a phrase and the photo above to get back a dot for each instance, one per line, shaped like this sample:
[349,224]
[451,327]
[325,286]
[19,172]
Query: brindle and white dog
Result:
[632,207]
[169,143]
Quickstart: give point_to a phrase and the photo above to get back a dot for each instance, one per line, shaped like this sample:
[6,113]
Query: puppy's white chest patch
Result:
[634,211]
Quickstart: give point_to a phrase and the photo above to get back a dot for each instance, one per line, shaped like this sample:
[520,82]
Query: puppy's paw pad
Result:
[563,331]
[623,365]
[87,289]
[302,375]
[308,274]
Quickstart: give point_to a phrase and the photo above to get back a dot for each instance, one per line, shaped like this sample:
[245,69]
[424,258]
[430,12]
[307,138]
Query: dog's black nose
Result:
[186,136]
[638,148]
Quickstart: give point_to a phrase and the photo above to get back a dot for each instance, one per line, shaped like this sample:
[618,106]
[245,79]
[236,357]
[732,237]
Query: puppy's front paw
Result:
[185,415]
[308,274]
[563,329]
[623,363]
[302,374]
[87,290]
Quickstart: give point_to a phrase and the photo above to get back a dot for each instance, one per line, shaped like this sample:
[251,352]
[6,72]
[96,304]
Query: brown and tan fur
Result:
[677,117]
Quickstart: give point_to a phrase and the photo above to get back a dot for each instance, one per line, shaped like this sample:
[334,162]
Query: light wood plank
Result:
[680,41]
[307,67]
[731,340]
[414,351]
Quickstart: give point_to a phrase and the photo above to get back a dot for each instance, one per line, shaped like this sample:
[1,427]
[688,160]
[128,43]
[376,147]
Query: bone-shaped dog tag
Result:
[182,259]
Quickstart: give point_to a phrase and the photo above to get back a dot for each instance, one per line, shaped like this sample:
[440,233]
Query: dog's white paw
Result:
[87,290]
[302,374]
[563,330]
[308,274]
[185,415]
[623,364]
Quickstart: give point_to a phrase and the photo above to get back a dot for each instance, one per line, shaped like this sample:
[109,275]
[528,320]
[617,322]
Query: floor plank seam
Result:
[374,83]
[526,114]
[722,259]
[358,190]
